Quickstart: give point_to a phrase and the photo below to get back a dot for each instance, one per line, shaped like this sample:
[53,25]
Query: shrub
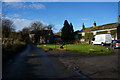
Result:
[102,32]
[9,51]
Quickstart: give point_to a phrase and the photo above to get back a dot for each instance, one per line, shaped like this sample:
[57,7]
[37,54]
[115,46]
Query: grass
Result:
[82,48]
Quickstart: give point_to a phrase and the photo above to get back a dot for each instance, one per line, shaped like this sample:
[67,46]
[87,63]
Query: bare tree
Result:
[37,25]
[26,30]
[38,28]
[7,27]
[49,27]
[25,34]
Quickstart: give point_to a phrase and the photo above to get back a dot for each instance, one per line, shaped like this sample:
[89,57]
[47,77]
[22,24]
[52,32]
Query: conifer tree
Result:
[67,32]
[71,26]
[72,31]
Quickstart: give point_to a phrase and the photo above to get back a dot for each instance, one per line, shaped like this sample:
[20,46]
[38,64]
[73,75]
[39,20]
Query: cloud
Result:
[85,19]
[30,0]
[13,15]
[60,0]
[15,4]
[37,6]
[19,5]
[12,0]
[21,23]
[16,15]
[0,14]
[57,27]
[48,0]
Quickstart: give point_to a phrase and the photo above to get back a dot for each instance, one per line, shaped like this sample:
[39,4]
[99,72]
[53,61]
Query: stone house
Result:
[57,37]
[42,36]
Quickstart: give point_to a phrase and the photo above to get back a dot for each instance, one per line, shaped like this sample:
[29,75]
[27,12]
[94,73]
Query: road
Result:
[116,51]
[36,63]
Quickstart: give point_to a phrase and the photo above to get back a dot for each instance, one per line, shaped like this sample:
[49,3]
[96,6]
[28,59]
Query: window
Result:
[118,42]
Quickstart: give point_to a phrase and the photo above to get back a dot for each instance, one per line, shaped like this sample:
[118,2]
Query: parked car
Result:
[102,39]
[115,44]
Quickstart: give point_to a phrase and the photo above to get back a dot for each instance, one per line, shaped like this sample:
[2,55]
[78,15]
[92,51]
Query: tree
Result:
[88,37]
[25,34]
[113,33]
[49,27]
[102,32]
[7,27]
[67,32]
[72,31]
[71,26]
[37,25]
[38,28]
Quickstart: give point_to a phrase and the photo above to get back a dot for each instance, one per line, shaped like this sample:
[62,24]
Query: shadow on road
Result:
[36,63]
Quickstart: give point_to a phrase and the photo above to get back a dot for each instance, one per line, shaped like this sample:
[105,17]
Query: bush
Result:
[10,51]
[77,42]
[113,33]
[102,32]
[88,37]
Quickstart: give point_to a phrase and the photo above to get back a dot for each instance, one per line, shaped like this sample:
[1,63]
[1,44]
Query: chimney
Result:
[94,24]
[83,26]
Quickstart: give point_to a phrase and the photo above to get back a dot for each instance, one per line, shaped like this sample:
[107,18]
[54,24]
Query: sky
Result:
[60,0]
[23,13]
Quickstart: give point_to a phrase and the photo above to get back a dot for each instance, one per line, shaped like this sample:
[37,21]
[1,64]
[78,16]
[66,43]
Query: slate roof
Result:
[101,27]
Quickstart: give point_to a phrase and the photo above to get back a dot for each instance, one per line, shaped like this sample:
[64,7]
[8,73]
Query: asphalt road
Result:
[36,63]
[116,51]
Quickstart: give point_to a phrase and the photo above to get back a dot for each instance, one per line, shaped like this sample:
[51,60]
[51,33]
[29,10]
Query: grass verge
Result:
[10,51]
[82,48]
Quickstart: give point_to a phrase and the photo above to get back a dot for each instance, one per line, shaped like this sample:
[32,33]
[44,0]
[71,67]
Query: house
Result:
[118,31]
[101,29]
[77,36]
[118,28]
[57,37]
[42,36]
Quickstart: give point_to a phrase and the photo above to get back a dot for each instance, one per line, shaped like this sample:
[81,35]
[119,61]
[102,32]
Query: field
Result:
[82,48]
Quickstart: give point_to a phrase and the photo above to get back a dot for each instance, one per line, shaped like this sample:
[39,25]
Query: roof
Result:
[101,27]
[58,34]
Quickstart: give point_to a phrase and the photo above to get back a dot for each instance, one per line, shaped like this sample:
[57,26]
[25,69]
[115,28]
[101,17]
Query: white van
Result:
[102,39]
